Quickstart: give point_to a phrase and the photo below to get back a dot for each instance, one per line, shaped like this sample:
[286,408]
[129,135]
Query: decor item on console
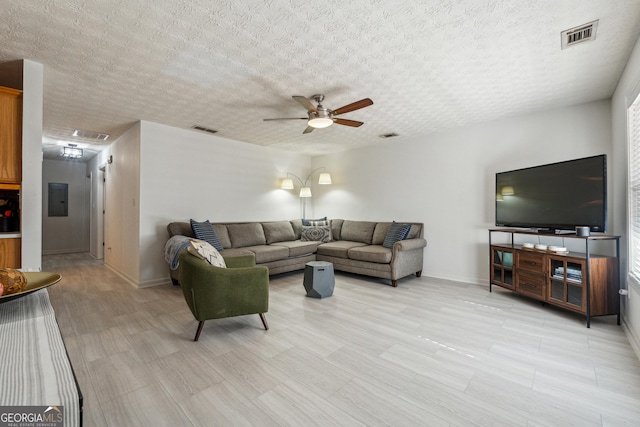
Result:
[12,281]
[354,246]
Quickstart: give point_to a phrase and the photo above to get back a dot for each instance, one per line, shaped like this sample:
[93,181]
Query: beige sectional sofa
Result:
[355,246]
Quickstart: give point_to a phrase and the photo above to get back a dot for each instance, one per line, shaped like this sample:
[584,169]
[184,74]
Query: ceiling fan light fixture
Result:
[320,119]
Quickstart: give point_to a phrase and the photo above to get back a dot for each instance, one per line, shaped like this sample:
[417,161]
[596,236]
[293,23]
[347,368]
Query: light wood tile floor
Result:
[426,353]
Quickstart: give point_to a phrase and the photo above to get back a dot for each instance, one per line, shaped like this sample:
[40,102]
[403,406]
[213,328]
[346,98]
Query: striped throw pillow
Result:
[205,231]
[316,221]
[396,233]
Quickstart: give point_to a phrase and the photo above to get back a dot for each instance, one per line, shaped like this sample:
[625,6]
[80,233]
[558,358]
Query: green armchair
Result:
[213,292]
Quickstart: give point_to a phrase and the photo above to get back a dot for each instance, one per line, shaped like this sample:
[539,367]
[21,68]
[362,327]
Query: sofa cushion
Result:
[396,233]
[316,234]
[299,248]
[280,231]
[207,252]
[223,235]
[371,253]
[338,248]
[296,224]
[380,232]
[357,231]
[336,227]
[415,232]
[204,231]
[246,234]
[268,253]
[180,229]
[233,252]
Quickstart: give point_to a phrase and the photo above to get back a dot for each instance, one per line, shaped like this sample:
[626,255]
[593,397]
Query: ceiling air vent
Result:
[580,34]
[88,134]
[388,135]
[203,129]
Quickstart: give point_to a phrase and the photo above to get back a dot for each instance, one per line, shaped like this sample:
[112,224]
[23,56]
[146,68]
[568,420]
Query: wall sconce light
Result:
[507,190]
[305,190]
[287,184]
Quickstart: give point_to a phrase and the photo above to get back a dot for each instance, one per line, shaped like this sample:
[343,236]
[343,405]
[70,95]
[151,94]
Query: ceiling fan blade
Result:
[353,106]
[305,103]
[352,123]
[309,129]
[287,118]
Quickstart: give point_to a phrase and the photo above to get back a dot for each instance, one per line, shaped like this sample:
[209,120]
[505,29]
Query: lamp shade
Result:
[305,192]
[499,197]
[287,184]
[325,178]
[507,190]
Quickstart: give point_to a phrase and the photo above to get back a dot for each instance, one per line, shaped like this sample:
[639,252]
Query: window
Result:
[633,118]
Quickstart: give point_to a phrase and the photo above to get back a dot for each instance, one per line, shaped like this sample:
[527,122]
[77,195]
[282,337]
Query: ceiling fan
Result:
[321,117]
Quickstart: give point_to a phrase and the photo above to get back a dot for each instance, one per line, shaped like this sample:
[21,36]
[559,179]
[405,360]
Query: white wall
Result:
[162,174]
[28,76]
[122,201]
[628,87]
[447,180]
[187,174]
[65,234]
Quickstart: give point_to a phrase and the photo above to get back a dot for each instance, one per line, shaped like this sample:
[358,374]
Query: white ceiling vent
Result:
[203,129]
[388,135]
[580,34]
[88,134]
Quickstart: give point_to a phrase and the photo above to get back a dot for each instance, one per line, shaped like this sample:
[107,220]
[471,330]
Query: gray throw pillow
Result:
[316,234]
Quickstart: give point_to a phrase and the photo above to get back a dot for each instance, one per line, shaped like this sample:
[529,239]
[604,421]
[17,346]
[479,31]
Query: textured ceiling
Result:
[227,64]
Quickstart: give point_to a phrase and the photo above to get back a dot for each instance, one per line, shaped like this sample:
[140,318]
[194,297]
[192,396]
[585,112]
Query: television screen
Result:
[556,196]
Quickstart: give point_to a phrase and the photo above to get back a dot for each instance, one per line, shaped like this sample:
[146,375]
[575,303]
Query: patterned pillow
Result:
[205,231]
[396,233]
[319,221]
[205,251]
[316,234]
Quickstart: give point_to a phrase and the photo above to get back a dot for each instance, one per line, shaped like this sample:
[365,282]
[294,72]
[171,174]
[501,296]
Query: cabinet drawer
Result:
[530,261]
[531,284]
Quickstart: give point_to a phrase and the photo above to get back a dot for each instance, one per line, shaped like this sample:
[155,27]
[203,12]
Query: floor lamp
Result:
[305,190]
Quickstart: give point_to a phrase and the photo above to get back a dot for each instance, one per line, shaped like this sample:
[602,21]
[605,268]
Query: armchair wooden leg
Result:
[264,321]
[200,325]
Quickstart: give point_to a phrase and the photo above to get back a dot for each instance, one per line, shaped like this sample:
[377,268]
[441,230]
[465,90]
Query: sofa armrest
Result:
[240,261]
[410,244]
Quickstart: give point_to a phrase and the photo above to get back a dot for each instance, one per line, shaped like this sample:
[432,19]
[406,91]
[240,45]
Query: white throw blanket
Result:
[172,250]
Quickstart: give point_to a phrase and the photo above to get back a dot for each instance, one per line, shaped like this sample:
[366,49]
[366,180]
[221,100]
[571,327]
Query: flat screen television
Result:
[556,196]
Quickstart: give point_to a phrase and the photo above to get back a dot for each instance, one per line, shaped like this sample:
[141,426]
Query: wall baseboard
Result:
[632,337]
[63,251]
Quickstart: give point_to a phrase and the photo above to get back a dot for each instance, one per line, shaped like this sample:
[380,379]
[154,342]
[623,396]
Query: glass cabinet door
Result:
[502,267]
[566,283]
